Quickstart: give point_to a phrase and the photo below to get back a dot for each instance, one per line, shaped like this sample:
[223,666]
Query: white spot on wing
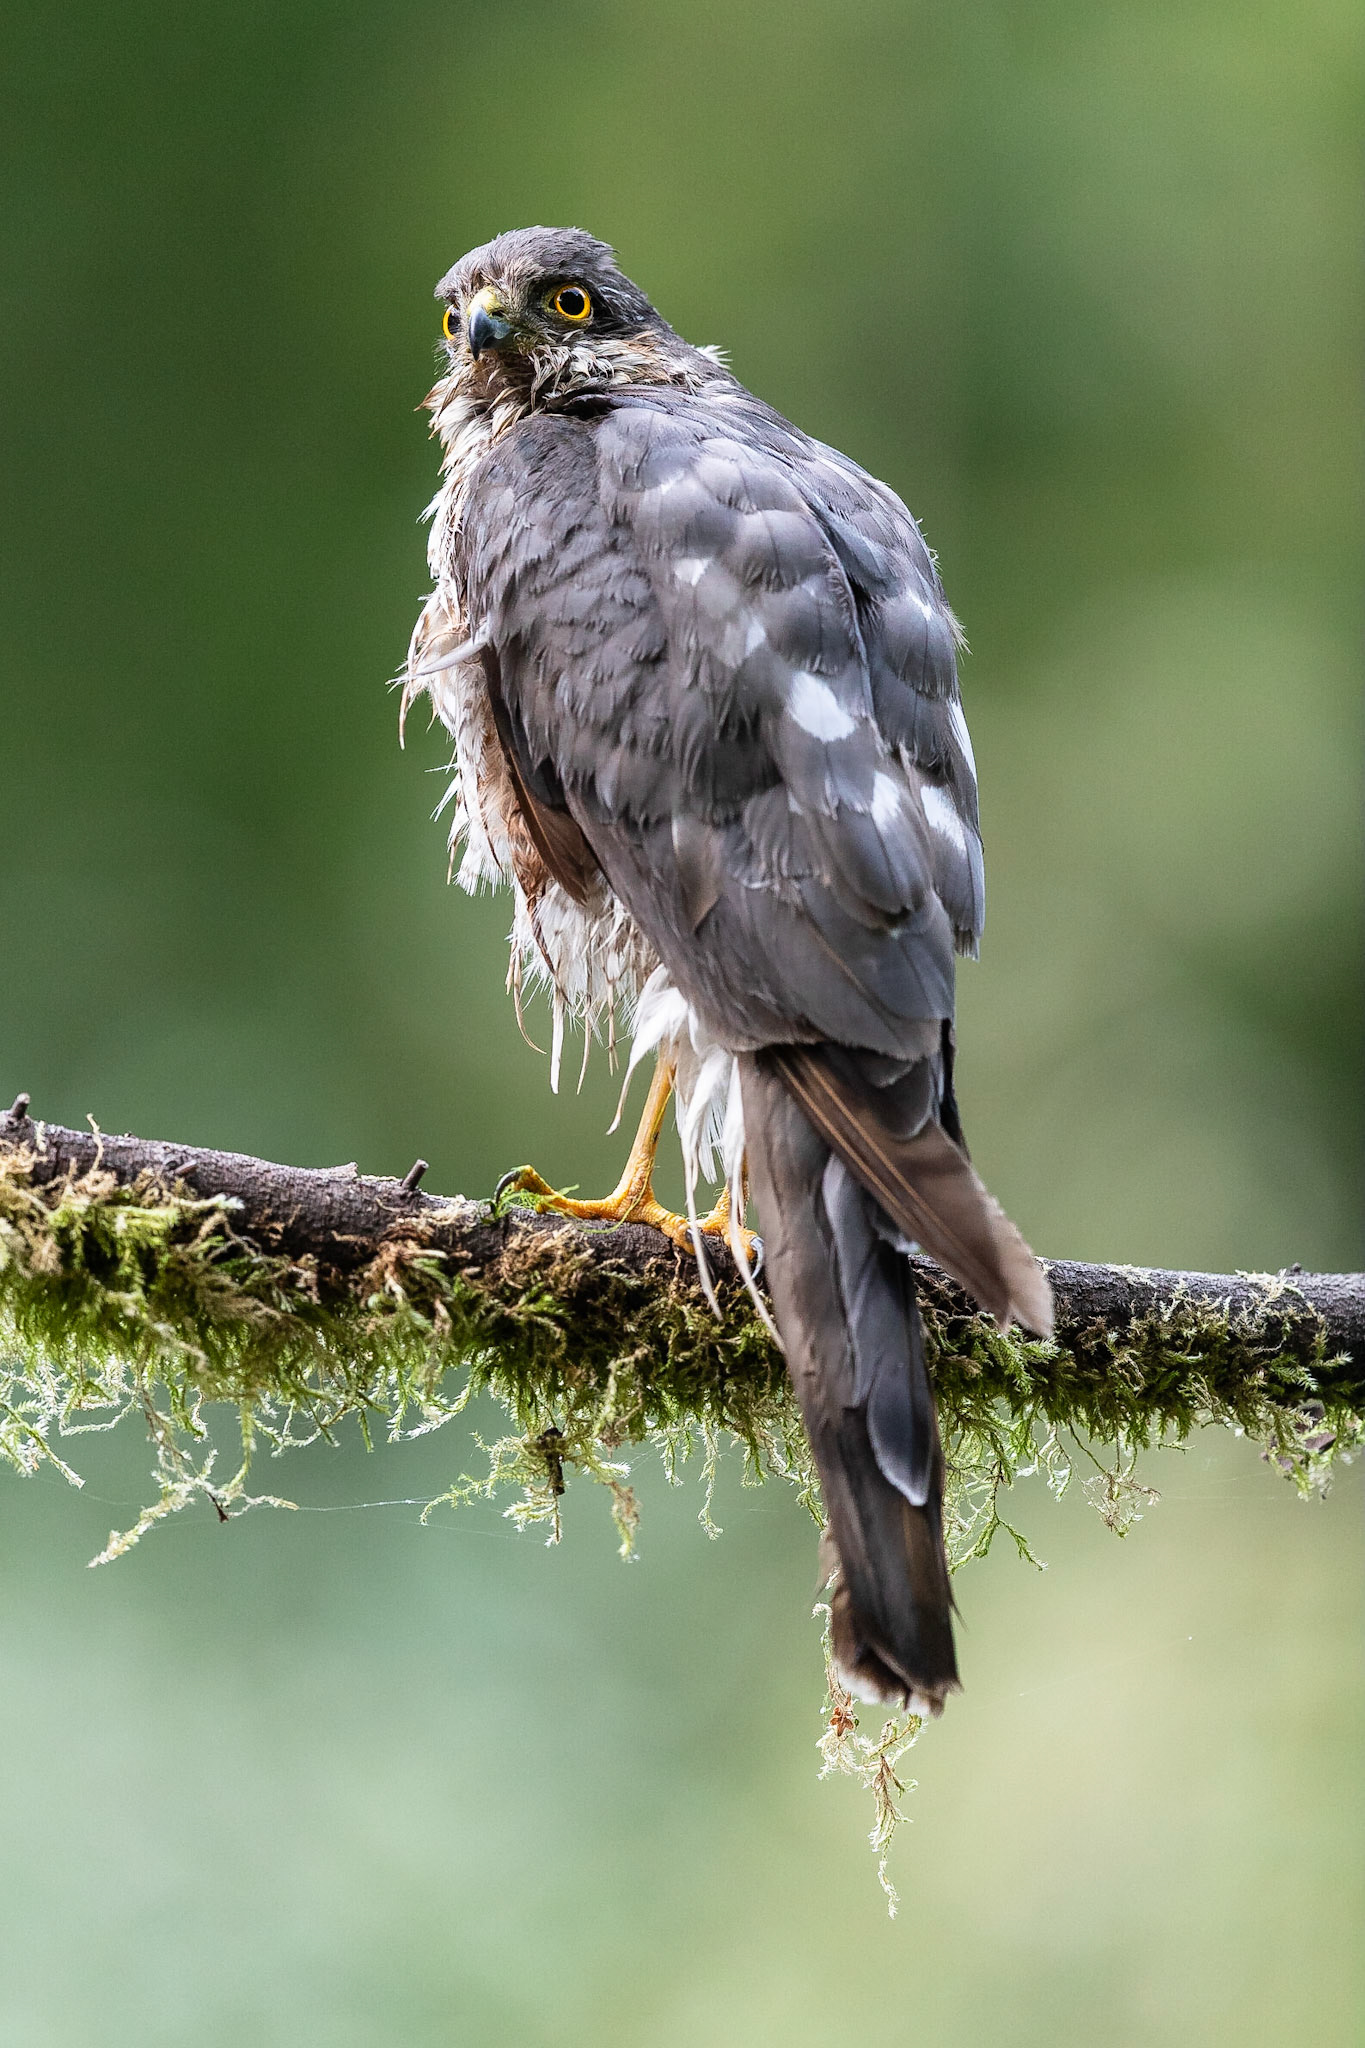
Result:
[941,812]
[816,709]
[961,734]
[755,636]
[886,800]
[691,568]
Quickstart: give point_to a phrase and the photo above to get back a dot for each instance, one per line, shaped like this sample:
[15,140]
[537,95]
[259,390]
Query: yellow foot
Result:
[629,1203]
[633,1199]
[632,1202]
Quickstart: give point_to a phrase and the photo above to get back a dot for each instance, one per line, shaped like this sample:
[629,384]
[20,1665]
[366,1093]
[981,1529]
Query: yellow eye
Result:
[449,323]
[571,302]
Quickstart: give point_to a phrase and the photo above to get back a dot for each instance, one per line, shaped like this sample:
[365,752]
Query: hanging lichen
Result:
[121,1301]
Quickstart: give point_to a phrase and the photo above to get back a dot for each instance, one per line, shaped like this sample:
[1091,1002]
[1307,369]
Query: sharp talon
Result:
[19,1111]
[413,1176]
[524,1180]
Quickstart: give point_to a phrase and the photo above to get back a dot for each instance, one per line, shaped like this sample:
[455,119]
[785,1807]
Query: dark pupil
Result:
[572,303]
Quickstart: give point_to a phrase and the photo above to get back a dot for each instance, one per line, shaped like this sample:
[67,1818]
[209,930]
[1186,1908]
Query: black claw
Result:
[413,1176]
[19,1111]
[507,1183]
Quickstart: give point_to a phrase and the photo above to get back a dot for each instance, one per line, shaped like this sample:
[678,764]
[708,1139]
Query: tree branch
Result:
[340,1221]
[225,1277]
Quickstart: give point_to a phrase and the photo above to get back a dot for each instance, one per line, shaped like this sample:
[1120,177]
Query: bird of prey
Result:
[701,679]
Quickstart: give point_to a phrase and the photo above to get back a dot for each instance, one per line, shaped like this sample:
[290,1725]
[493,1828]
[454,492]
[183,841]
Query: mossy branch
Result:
[156,1278]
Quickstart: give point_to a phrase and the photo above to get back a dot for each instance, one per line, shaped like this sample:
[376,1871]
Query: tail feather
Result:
[845,1304]
[879,1302]
[923,1181]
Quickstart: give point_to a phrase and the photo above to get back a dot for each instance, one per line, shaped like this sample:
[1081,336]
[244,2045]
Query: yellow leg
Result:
[633,1199]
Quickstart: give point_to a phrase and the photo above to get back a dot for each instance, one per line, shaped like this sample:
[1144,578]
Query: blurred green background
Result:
[1079,280]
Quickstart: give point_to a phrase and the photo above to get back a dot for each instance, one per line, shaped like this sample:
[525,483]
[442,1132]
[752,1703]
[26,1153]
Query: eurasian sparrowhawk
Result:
[702,683]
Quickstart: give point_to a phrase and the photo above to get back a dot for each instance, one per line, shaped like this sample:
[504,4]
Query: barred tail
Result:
[844,1297]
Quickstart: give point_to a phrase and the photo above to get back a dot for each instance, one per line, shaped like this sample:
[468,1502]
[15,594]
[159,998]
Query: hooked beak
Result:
[486,322]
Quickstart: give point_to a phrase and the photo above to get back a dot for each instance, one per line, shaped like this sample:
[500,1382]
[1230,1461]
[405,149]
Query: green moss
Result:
[120,1301]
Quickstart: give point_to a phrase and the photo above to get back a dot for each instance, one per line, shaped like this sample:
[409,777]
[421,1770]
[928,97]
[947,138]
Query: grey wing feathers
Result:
[804,590]
[910,637]
[688,646]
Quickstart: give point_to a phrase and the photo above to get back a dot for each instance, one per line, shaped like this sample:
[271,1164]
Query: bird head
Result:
[546,306]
